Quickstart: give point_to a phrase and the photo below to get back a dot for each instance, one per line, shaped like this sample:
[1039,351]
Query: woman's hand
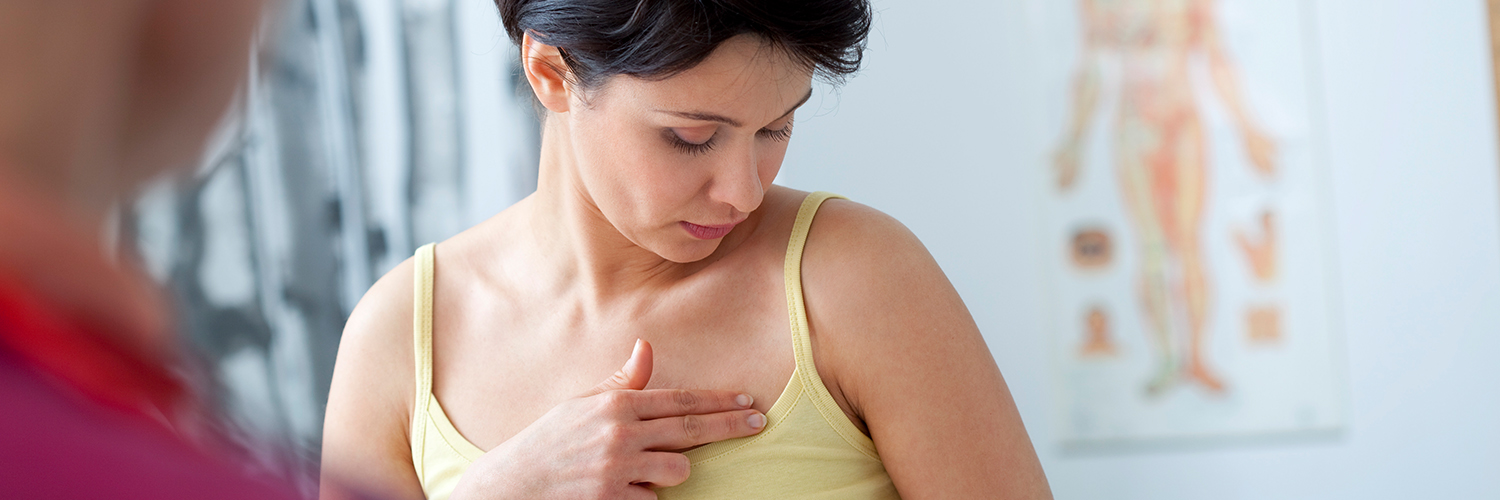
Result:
[611,443]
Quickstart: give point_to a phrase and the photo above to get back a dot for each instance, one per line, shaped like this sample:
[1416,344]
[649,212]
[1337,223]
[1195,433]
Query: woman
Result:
[655,219]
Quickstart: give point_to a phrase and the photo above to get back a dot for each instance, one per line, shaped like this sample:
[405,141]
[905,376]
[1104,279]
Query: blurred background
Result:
[367,128]
[1344,206]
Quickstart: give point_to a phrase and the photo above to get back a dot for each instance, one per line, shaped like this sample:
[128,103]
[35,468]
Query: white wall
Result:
[937,132]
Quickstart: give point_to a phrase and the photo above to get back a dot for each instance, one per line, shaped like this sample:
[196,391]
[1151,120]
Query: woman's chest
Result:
[496,369]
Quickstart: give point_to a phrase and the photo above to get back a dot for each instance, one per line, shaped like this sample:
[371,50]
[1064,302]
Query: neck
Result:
[587,256]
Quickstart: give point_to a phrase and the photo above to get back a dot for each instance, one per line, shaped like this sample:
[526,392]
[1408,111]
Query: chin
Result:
[692,251]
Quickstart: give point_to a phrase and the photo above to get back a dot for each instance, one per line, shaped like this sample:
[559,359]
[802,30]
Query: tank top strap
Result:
[422,346]
[807,370]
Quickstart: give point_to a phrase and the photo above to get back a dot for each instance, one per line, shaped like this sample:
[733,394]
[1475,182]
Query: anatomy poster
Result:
[1187,238]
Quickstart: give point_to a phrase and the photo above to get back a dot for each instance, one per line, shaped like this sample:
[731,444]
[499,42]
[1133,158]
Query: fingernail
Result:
[757,420]
[744,400]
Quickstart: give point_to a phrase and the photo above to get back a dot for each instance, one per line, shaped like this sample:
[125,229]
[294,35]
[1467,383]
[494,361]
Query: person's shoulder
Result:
[868,278]
[480,252]
[383,317]
[375,359]
[372,396]
[837,222]
[849,240]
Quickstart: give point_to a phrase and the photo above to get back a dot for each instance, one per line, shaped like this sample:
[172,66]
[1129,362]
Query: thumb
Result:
[632,376]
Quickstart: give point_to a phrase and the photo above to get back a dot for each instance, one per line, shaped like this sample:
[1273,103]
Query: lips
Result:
[707,232]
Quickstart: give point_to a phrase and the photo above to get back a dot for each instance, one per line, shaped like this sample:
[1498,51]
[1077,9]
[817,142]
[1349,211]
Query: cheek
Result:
[632,176]
[770,162]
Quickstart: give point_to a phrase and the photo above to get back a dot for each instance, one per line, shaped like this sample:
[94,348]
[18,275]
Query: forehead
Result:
[744,78]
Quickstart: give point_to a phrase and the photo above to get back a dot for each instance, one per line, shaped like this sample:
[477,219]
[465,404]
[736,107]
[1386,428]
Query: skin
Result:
[536,305]
[1161,157]
[98,96]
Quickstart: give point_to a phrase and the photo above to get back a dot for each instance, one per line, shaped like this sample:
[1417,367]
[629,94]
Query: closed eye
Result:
[698,149]
[695,149]
[778,135]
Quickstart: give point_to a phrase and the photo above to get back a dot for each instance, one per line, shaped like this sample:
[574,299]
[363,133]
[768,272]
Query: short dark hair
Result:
[656,39]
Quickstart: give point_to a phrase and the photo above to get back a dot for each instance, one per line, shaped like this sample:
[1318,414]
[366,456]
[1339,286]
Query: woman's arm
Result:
[903,350]
[365,431]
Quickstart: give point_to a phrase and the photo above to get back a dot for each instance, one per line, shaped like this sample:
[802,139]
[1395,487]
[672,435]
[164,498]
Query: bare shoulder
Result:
[873,295]
[860,261]
[366,428]
[378,334]
[845,229]
[380,330]
[905,355]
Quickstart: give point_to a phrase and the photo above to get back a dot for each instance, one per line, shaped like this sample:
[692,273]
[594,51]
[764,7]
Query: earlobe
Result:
[547,73]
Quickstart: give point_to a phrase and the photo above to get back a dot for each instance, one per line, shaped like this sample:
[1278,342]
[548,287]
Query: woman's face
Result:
[675,164]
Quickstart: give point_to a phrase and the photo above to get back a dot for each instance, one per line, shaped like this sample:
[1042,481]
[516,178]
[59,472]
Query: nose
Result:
[737,182]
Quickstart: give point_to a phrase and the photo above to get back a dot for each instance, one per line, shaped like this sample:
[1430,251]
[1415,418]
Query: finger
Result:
[660,403]
[633,376]
[687,431]
[638,492]
[660,469]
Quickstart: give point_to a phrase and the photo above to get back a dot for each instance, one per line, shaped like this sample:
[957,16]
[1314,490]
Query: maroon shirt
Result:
[76,419]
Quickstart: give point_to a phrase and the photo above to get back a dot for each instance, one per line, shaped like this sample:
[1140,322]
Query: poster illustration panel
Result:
[1186,220]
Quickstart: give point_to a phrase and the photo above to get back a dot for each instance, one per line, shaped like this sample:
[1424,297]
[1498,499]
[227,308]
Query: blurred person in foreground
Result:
[96,98]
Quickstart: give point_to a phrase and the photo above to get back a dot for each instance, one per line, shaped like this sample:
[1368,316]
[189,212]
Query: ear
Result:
[547,72]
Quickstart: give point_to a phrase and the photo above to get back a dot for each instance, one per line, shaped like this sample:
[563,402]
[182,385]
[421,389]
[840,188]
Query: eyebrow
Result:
[710,117]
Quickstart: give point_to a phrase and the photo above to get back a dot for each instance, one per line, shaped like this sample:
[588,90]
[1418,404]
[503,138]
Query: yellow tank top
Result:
[808,449]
